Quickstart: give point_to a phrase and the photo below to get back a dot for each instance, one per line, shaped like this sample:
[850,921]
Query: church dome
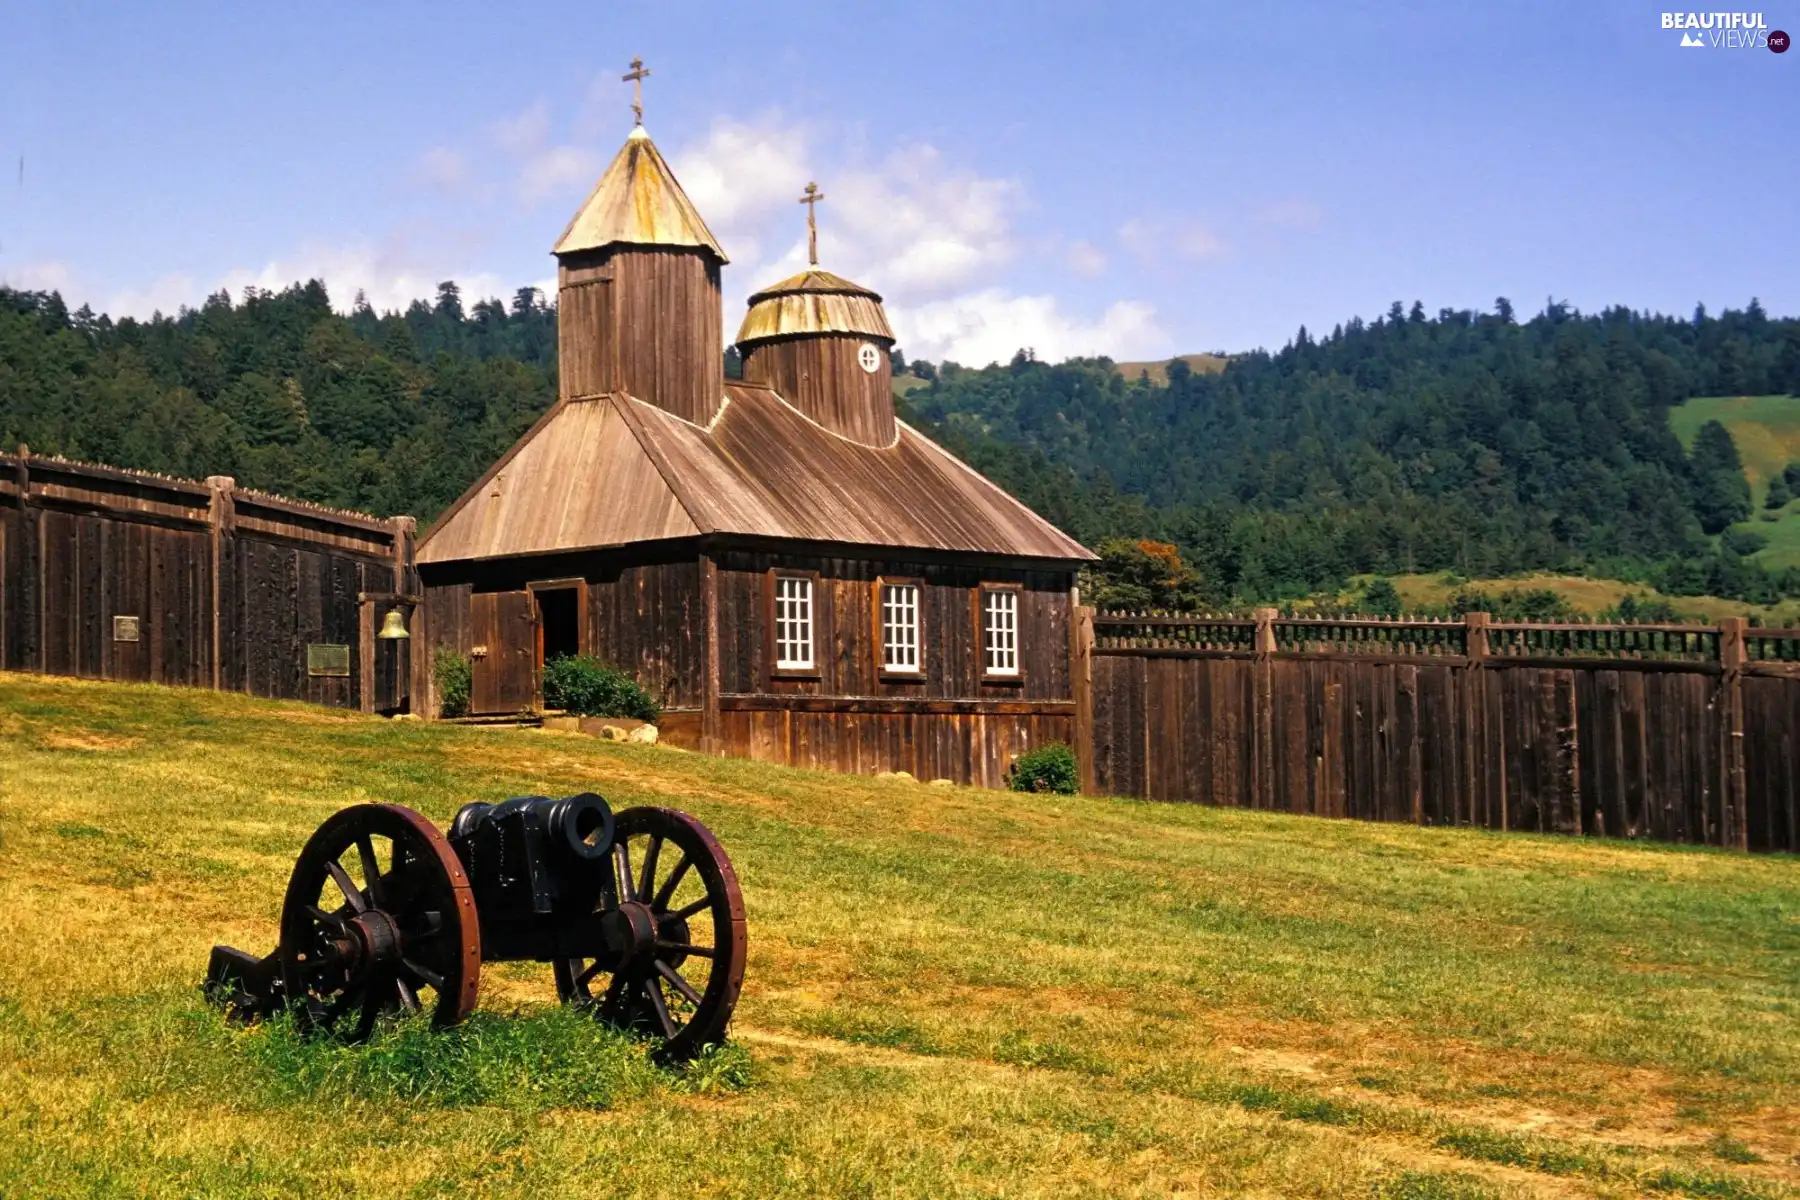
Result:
[822,344]
[811,303]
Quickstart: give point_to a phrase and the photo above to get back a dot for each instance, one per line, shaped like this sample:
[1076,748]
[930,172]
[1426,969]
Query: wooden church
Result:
[799,576]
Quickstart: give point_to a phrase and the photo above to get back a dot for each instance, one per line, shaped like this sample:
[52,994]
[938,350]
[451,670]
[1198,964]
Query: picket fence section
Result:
[1682,733]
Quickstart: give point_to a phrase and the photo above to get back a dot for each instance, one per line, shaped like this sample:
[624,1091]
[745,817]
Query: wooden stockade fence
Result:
[1674,732]
[1681,733]
[126,575]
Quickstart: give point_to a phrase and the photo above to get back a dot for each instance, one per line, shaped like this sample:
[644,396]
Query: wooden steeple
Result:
[638,305]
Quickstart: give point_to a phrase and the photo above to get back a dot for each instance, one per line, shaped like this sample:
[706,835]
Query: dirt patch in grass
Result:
[57,740]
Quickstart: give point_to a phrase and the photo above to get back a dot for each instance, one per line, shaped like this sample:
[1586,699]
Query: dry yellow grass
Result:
[1158,371]
[951,992]
[1588,597]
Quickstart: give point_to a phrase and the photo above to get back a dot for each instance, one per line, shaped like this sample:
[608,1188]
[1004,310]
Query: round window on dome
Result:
[869,358]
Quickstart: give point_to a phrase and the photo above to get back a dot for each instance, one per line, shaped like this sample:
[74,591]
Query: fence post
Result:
[221,519]
[1475,742]
[403,530]
[1081,679]
[31,566]
[1262,778]
[1734,654]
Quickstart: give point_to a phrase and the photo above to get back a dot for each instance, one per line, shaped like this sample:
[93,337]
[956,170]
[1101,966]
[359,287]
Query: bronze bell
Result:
[393,625]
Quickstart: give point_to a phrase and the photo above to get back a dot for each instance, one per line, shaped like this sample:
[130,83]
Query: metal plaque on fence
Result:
[322,658]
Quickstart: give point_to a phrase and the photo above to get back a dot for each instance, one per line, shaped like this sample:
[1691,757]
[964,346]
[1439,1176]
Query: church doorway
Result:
[559,623]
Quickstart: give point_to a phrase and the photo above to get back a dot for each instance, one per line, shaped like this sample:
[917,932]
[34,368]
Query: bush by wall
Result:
[454,676]
[1049,768]
[583,685]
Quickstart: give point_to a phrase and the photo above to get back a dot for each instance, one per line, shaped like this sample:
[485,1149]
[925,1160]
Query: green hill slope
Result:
[1766,430]
[950,992]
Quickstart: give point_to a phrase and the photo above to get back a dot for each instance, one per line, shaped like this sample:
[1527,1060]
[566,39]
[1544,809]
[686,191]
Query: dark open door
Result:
[503,627]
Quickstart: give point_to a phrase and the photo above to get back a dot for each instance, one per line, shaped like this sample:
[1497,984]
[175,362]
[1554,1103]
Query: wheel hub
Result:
[630,930]
[379,935]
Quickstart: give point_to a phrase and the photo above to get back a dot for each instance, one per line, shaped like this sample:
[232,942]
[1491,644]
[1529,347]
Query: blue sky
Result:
[1137,180]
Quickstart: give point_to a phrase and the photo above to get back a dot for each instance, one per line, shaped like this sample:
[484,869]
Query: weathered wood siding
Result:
[654,613]
[645,320]
[644,617]
[848,715]
[227,587]
[847,637]
[1674,735]
[972,747]
[821,376]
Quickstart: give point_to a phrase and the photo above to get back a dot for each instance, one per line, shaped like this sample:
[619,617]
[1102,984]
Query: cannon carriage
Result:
[638,913]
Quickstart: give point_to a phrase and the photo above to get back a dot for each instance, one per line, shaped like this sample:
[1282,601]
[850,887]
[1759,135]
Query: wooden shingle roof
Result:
[637,202]
[761,469]
[813,302]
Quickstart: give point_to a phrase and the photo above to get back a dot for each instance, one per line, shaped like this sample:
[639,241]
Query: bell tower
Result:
[638,302]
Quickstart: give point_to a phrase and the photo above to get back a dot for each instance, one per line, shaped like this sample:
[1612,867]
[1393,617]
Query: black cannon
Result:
[638,913]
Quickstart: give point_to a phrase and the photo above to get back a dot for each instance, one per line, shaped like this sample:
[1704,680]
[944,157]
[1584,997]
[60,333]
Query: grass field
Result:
[951,992]
[1766,430]
[1203,364]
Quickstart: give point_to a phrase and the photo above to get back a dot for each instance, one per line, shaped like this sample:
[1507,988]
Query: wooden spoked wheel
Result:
[679,894]
[379,918]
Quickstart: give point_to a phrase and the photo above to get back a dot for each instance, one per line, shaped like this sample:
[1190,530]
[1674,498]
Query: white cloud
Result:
[992,325]
[744,172]
[390,276]
[523,133]
[937,238]
[165,295]
[443,168]
[557,173]
[48,275]
[1155,239]
[1289,214]
[909,224]
[1086,259]
[544,171]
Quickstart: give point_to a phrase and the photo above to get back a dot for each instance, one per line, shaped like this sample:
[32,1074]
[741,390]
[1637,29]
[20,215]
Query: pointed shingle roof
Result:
[637,202]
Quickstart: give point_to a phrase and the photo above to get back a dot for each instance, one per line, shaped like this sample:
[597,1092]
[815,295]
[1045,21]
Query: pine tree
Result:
[1721,493]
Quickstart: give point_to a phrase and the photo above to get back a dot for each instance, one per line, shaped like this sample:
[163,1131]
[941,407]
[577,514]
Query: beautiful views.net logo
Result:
[1729,30]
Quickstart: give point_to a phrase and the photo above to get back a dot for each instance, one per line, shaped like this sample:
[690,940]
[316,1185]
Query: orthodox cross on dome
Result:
[811,200]
[636,78]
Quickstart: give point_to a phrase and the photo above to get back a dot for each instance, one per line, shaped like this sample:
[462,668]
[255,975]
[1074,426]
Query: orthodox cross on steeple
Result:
[636,79]
[811,200]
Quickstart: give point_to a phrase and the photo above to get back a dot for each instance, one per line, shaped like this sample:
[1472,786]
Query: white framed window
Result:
[900,628]
[1000,631]
[793,623]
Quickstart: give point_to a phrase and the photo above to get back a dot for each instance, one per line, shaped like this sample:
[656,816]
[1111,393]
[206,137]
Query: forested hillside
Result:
[1471,442]
[390,414]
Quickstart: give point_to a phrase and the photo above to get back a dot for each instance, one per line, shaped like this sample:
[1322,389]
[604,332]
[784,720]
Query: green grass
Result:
[1766,430]
[951,992]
